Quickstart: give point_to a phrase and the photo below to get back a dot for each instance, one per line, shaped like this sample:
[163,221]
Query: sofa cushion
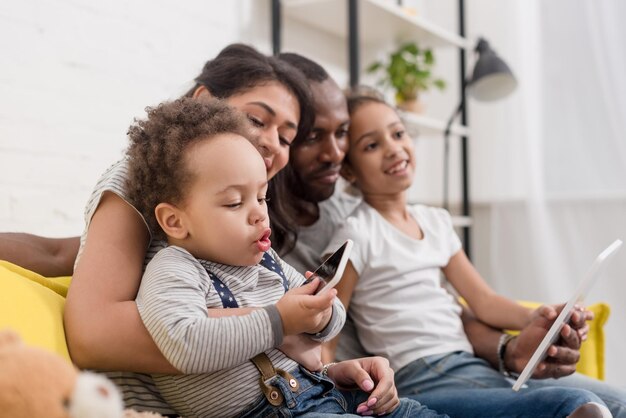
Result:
[592,351]
[32,305]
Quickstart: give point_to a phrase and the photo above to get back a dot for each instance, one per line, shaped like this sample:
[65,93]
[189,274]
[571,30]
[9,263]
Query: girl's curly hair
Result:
[156,163]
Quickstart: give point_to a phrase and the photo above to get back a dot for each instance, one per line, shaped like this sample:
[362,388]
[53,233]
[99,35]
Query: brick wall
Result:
[73,75]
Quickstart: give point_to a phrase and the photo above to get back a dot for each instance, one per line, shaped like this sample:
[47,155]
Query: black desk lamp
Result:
[492,79]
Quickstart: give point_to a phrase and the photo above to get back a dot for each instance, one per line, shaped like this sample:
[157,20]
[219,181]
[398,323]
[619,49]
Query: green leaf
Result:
[429,59]
[375,66]
[407,69]
[440,84]
[411,48]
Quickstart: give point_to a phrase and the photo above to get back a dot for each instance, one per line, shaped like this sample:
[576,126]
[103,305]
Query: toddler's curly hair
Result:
[156,154]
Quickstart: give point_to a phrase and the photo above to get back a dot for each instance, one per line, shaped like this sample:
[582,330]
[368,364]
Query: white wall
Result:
[78,72]
[548,163]
[75,73]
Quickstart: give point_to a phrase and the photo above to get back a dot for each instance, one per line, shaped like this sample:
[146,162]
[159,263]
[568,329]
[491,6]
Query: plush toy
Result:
[37,383]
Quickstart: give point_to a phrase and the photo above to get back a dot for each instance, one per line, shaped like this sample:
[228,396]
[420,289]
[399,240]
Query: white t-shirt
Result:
[398,306]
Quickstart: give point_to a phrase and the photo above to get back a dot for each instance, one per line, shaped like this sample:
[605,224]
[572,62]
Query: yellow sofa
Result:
[33,306]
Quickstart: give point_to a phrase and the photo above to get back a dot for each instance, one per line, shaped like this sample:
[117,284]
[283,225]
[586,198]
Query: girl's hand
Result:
[370,374]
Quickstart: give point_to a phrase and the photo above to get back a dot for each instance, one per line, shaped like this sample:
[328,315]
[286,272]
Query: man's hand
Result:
[562,356]
[370,374]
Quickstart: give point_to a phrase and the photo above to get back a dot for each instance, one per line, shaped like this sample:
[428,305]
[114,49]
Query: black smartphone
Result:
[331,270]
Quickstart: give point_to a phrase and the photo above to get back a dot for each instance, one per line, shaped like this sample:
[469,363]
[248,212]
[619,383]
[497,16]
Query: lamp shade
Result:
[492,78]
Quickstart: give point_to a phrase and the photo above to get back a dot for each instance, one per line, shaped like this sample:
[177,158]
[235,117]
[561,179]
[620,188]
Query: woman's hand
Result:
[370,374]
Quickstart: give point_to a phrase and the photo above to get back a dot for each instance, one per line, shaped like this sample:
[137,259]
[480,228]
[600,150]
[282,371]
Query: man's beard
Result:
[312,194]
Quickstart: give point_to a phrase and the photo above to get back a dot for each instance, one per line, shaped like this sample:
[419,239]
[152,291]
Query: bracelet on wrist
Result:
[325,368]
[502,344]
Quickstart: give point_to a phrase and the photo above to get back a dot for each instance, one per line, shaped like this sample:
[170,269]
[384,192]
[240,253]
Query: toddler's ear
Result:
[169,218]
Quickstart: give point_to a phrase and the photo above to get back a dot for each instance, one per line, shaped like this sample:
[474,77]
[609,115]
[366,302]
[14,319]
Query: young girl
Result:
[391,287]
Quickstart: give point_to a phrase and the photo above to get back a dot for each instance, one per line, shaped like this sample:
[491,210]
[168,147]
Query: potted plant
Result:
[407,71]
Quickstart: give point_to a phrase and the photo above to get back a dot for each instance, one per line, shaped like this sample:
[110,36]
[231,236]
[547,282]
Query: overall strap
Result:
[269,263]
[227,297]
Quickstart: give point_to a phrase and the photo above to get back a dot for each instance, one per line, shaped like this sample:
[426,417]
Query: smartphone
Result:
[331,270]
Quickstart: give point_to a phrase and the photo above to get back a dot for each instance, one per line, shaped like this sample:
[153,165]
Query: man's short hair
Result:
[311,70]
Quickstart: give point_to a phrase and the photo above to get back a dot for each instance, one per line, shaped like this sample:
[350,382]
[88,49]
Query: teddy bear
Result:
[38,383]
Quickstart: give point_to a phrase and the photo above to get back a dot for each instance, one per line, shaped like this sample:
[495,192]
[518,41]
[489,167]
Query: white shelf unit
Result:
[382,21]
[423,124]
[462,221]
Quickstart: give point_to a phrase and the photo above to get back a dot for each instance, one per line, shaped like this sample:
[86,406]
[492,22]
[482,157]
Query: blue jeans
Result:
[318,397]
[614,398]
[461,385]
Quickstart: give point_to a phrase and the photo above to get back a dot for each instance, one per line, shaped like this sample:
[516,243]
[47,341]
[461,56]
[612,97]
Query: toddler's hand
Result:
[303,311]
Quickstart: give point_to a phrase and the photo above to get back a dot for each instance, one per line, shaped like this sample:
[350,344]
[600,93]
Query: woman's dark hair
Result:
[282,211]
[283,203]
[157,169]
[239,68]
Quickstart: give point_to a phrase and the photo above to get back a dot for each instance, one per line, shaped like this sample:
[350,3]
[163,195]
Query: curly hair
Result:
[156,154]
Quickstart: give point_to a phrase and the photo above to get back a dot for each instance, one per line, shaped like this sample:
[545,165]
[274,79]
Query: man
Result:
[317,210]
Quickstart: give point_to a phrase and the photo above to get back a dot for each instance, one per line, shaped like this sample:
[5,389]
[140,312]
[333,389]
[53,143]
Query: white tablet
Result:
[583,288]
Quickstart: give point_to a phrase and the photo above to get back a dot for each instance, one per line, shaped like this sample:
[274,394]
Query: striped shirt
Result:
[214,353]
[173,298]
